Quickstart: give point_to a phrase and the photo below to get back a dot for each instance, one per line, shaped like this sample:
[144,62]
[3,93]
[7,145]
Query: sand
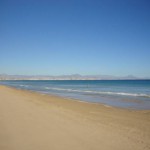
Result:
[33,121]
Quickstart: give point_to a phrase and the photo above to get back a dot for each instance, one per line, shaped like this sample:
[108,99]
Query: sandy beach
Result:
[34,121]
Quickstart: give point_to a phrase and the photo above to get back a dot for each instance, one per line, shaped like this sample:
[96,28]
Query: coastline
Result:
[124,94]
[30,120]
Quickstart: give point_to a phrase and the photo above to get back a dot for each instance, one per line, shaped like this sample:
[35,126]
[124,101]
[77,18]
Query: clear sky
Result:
[88,37]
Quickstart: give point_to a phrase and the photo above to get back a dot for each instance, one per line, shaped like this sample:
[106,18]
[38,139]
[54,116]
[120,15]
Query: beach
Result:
[34,121]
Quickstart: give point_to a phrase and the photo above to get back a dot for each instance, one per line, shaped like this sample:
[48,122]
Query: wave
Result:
[24,85]
[101,92]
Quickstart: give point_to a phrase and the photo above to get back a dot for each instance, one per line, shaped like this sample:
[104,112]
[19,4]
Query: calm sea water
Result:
[133,94]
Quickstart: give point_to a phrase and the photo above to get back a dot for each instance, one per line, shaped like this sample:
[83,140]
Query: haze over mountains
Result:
[68,77]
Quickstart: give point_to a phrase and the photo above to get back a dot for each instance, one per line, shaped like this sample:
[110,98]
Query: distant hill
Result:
[67,77]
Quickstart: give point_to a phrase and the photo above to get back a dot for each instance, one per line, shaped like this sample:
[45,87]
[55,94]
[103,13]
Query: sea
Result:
[131,94]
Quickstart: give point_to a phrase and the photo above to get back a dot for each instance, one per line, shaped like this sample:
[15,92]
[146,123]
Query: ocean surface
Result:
[134,94]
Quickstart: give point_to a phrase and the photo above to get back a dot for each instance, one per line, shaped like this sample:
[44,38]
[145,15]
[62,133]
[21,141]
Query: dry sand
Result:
[32,121]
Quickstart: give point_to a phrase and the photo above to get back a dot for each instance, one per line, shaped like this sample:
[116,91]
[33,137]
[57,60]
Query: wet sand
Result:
[33,121]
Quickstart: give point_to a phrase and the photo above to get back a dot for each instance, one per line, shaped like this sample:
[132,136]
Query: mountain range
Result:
[68,77]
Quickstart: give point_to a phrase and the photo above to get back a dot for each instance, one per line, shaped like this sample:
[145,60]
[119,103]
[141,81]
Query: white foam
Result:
[101,92]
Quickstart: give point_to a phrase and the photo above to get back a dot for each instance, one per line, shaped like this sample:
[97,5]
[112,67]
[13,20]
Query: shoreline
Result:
[31,120]
[84,101]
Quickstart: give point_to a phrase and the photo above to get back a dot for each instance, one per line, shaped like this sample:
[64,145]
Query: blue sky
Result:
[55,37]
